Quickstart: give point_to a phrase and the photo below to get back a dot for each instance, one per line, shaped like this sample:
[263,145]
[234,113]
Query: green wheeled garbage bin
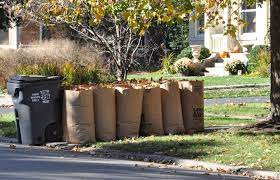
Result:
[37,101]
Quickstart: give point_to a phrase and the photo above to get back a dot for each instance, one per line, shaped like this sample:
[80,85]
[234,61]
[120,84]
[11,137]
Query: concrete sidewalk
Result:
[5,100]
[6,104]
[260,99]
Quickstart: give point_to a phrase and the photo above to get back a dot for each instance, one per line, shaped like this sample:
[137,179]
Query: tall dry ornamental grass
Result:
[53,51]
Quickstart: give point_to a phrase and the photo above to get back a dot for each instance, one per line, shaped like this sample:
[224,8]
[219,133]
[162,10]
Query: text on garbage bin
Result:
[43,96]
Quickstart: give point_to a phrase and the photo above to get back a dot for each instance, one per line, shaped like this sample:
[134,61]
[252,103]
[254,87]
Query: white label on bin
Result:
[45,96]
[35,97]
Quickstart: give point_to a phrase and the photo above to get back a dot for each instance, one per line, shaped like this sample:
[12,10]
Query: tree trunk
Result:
[121,73]
[275,60]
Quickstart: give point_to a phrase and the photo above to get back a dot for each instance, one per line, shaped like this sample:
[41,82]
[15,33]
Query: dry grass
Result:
[55,51]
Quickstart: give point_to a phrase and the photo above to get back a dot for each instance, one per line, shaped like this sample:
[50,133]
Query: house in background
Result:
[29,33]
[17,36]
[255,33]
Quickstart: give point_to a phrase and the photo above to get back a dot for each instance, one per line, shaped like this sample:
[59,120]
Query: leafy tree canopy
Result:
[139,15]
[115,24]
[7,13]
[4,21]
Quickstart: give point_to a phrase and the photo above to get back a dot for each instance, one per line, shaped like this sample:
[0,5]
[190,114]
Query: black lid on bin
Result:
[33,78]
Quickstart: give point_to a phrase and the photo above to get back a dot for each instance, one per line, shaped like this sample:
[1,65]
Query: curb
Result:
[161,159]
[238,170]
[212,167]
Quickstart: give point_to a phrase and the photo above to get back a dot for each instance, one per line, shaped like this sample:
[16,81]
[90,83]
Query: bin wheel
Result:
[52,133]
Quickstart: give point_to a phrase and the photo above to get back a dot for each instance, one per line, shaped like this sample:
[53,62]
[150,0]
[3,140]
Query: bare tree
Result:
[116,39]
[115,25]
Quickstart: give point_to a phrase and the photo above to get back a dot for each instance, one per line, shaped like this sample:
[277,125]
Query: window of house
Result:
[4,37]
[248,13]
[199,26]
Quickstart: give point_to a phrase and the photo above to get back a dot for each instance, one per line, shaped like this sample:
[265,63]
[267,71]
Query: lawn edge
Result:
[187,163]
[169,160]
[160,159]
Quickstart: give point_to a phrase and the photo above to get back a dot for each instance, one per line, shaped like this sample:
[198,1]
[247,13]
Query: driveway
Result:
[40,163]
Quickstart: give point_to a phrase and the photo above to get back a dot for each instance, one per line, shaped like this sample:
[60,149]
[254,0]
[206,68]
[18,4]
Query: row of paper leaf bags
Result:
[124,111]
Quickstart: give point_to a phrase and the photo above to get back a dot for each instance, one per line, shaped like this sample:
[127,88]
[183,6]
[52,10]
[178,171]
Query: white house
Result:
[255,33]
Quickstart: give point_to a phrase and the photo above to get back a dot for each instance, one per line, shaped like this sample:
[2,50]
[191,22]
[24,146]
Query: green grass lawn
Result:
[227,121]
[2,90]
[235,114]
[253,110]
[234,93]
[209,81]
[260,151]
[7,125]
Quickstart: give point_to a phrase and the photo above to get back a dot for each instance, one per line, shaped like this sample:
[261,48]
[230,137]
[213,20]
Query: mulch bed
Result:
[267,126]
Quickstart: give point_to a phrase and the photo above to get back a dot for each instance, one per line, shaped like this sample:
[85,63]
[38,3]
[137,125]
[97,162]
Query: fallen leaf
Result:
[12,146]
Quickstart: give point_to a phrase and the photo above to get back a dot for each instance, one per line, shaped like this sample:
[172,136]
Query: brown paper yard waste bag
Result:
[192,97]
[129,108]
[151,123]
[171,108]
[78,116]
[105,113]
[187,105]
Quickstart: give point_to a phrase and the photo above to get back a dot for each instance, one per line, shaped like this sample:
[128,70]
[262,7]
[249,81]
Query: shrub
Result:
[186,67]
[167,64]
[263,70]
[72,73]
[44,69]
[75,74]
[187,53]
[177,36]
[234,66]
[205,53]
[254,57]
[47,58]
[2,90]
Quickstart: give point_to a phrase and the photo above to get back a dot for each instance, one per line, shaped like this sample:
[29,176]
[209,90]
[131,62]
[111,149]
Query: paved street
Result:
[37,163]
